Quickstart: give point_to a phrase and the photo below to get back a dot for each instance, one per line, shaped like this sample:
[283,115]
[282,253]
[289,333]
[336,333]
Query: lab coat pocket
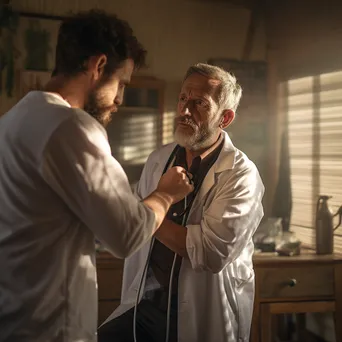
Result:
[244,292]
[242,274]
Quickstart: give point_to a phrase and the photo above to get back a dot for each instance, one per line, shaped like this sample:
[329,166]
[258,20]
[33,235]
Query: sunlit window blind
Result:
[136,135]
[314,121]
[136,130]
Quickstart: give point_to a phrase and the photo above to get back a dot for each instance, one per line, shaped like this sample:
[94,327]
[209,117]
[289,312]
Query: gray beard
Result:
[194,142]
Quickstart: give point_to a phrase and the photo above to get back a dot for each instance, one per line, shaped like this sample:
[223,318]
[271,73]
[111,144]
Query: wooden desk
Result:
[306,283]
[301,284]
[109,279]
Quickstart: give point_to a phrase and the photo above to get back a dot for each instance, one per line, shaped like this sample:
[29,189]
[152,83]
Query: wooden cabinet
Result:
[302,284]
[109,278]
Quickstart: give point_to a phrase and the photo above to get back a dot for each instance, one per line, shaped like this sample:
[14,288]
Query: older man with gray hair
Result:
[194,281]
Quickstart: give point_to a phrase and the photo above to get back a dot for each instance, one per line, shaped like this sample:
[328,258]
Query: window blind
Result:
[136,130]
[314,122]
[133,134]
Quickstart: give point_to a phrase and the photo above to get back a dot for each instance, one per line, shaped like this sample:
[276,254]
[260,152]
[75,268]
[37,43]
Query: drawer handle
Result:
[292,282]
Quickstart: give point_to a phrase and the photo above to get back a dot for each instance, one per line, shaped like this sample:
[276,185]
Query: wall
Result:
[176,33]
[304,38]
[307,36]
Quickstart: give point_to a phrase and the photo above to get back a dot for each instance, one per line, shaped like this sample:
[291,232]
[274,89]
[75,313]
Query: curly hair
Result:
[93,33]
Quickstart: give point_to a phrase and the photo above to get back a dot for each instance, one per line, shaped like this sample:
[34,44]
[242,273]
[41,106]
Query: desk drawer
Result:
[295,282]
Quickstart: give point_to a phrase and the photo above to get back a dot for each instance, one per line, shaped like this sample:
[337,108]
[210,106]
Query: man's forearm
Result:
[173,236]
[160,203]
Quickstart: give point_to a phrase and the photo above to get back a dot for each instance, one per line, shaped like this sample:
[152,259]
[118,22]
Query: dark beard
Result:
[94,108]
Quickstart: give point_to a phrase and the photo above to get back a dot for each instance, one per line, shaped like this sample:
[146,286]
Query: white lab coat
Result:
[59,186]
[216,283]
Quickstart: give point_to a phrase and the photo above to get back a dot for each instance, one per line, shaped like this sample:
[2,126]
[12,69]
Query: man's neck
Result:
[70,89]
[191,155]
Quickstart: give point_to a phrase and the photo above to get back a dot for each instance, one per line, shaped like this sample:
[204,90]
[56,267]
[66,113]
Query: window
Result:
[137,128]
[314,121]
[134,134]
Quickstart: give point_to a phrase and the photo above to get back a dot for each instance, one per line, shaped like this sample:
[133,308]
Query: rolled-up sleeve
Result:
[78,166]
[228,222]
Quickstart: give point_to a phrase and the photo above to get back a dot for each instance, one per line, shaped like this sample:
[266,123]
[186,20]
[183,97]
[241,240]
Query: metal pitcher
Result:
[325,226]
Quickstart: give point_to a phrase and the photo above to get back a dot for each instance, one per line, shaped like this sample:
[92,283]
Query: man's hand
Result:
[175,182]
[173,186]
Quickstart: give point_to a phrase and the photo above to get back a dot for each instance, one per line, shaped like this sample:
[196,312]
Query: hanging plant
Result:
[8,26]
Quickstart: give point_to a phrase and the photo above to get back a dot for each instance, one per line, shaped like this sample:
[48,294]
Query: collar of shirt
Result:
[212,148]
[181,155]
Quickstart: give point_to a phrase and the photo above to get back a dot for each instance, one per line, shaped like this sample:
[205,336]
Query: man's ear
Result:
[96,65]
[228,117]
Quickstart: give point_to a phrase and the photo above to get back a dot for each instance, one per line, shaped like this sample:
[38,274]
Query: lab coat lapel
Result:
[225,161]
[158,166]
[156,174]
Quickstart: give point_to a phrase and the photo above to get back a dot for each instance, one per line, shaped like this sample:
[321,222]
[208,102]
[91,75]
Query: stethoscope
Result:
[184,216]
[197,185]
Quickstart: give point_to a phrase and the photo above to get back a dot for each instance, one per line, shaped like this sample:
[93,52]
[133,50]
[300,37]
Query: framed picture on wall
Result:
[36,38]
[27,51]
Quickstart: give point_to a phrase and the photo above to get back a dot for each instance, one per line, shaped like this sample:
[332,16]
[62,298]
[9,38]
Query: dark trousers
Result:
[150,326]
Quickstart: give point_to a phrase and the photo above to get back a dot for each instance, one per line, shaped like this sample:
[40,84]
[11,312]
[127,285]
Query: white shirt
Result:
[216,282]
[59,186]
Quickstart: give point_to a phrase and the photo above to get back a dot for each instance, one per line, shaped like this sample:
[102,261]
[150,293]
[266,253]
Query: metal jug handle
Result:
[318,202]
[339,212]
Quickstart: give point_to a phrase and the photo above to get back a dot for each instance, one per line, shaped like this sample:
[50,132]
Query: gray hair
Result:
[229,91]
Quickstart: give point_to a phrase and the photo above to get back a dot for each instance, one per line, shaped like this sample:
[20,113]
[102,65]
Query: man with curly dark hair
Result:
[111,48]
[60,186]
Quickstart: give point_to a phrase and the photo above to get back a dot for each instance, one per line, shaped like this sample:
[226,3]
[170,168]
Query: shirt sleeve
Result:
[77,164]
[228,223]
